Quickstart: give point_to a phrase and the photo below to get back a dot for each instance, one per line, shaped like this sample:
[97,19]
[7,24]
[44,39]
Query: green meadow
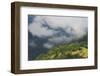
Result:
[66,51]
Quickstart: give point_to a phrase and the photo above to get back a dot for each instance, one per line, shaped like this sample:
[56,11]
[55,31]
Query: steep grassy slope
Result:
[66,51]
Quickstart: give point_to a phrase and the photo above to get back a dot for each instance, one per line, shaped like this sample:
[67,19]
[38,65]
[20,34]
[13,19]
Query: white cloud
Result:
[60,39]
[48,45]
[63,22]
[37,29]
[76,26]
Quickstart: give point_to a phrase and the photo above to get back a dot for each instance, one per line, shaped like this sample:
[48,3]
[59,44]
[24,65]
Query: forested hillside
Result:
[75,49]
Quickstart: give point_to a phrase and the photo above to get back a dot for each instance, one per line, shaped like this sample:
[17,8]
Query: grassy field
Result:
[66,51]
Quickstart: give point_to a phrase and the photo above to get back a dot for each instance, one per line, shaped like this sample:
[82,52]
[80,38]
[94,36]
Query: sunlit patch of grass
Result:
[66,51]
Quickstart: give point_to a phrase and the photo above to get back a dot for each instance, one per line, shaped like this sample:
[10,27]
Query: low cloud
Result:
[48,45]
[58,29]
[32,43]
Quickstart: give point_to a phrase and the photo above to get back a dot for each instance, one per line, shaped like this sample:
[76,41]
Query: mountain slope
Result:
[66,51]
